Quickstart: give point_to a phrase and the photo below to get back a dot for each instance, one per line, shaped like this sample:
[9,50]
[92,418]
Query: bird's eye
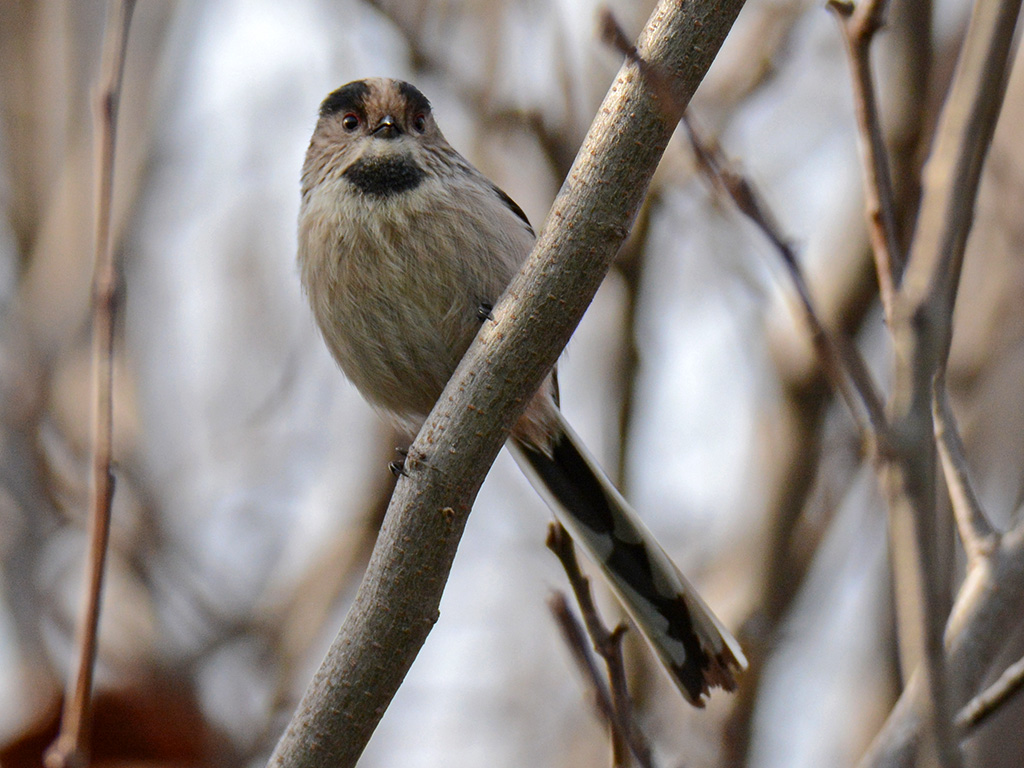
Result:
[420,122]
[350,122]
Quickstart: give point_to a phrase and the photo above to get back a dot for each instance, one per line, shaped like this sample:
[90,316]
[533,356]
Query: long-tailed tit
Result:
[403,247]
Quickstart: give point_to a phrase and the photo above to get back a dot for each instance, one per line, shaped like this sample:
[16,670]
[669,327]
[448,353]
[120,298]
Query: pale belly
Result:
[398,298]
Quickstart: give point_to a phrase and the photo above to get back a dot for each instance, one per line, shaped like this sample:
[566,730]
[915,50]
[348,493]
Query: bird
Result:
[403,249]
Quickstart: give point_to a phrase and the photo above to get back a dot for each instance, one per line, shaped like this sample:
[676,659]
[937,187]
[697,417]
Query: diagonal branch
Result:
[841,362]
[397,603]
[839,359]
[988,702]
[976,531]
[953,171]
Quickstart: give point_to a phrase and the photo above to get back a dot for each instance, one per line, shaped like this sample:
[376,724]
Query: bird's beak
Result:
[387,128]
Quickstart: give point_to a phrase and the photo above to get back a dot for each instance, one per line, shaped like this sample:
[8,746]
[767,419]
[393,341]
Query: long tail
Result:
[697,650]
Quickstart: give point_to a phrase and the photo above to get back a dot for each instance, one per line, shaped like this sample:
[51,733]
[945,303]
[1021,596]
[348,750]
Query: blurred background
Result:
[251,477]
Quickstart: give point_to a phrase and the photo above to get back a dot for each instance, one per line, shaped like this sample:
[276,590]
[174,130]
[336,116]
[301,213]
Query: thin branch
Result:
[576,639]
[71,746]
[988,702]
[837,356]
[397,603]
[953,171]
[608,645]
[922,325]
[859,24]
[985,617]
[976,531]
[556,145]
[841,362]
[630,264]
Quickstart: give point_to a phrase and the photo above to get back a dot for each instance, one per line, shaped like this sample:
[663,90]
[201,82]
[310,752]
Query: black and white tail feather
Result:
[692,644]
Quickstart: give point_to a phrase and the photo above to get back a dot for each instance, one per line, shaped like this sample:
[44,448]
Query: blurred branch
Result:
[576,639]
[558,146]
[845,287]
[859,24]
[295,622]
[987,703]
[953,171]
[984,618]
[630,263]
[922,329]
[624,729]
[976,531]
[397,602]
[71,745]
[841,362]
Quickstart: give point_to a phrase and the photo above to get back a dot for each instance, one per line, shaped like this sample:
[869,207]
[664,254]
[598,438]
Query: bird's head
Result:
[379,133]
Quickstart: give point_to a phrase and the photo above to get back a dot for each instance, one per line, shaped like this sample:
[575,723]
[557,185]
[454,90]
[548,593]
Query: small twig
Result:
[836,355]
[976,531]
[985,704]
[576,638]
[839,359]
[608,645]
[71,745]
[859,24]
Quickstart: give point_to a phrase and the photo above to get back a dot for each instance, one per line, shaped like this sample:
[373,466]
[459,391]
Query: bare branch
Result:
[397,603]
[953,171]
[576,639]
[984,618]
[976,531]
[922,330]
[840,361]
[845,288]
[608,645]
[987,703]
[859,24]
[71,746]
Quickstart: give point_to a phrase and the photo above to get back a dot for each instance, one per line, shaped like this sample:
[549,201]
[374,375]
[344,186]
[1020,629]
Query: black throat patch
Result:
[383,177]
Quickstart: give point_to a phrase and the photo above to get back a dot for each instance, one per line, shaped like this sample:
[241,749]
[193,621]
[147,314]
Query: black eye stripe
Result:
[348,98]
[414,97]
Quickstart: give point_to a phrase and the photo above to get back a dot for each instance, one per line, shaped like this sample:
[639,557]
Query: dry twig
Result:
[988,702]
[71,746]
[841,362]
[608,644]
[839,359]
[976,532]
[859,24]
[576,639]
